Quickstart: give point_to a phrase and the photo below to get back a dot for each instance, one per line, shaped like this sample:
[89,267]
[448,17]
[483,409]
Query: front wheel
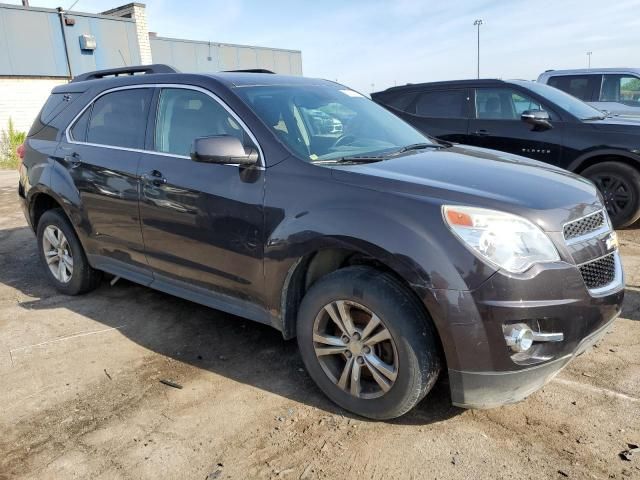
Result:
[366,343]
[619,185]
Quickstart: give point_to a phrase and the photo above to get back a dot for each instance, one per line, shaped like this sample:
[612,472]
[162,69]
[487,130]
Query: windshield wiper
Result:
[419,146]
[370,158]
[354,159]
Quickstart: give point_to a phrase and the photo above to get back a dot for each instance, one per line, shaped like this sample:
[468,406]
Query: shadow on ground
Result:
[631,306]
[230,346]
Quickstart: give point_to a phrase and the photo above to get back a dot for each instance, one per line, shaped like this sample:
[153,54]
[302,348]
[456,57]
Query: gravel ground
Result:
[81,395]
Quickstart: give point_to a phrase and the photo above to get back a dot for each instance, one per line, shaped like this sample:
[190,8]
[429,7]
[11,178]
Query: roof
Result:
[591,70]
[158,73]
[446,83]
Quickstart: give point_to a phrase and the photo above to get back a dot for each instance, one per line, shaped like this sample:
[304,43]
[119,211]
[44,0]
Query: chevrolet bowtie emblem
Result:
[612,241]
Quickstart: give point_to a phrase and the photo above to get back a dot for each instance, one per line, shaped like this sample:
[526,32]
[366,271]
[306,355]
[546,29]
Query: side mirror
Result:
[224,149]
[538,118]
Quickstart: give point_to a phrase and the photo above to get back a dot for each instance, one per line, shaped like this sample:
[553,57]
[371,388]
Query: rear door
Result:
[442,113]
[497,125]
[202,223]
[101,153]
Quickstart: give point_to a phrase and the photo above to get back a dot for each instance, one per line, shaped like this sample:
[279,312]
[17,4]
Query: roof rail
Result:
[251,70]
[115,72]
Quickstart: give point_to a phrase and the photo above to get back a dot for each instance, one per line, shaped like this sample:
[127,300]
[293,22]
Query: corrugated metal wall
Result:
[204,57]
[32,43]
[117,43]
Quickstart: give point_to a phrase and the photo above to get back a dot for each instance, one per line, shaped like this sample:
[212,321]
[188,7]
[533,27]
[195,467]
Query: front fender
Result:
[423,253]
[580,162]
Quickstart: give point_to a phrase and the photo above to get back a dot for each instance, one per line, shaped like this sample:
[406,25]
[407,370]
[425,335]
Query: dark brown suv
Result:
[391,258]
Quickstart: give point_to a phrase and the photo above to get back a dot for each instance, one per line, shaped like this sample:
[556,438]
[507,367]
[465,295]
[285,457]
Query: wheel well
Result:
[318,264]
[39,205]
[589,162]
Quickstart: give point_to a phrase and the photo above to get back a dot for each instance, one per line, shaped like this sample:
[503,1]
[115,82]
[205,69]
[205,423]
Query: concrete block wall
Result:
[22,98]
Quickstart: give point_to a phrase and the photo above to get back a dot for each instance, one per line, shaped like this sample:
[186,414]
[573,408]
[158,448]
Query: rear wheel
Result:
[619,185]
[62,255]
[367,344]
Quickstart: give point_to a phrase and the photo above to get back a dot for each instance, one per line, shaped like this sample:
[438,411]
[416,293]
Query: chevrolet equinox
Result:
[391,258]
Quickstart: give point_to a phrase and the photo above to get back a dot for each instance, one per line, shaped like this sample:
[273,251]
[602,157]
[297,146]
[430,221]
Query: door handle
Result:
[481,132]
[155,177]
[74,160]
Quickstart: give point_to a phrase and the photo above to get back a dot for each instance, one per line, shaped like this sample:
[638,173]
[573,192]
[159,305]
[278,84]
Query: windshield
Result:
[565,101]
[322,123]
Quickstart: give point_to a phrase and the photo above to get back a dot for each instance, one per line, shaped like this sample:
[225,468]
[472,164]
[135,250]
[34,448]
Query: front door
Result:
[102,157]
[202,223]
[497,125]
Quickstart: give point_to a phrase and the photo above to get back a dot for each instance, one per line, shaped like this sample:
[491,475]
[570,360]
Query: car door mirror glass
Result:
[537,118]
[225,149]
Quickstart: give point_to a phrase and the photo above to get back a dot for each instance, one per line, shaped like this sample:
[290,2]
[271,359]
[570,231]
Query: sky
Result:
[371,45]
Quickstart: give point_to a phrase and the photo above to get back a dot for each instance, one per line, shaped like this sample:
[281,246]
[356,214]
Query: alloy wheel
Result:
[57,253]
[616,193]
[355,349]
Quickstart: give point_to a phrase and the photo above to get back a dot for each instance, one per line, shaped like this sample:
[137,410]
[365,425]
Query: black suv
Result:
[391,258]
[536,121]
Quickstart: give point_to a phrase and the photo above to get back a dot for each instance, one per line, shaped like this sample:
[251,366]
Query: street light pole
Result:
[477,23]
[589,59]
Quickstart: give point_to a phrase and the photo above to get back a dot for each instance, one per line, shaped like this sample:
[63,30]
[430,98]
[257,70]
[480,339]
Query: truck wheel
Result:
[62,255]
[366,343]
[619,185]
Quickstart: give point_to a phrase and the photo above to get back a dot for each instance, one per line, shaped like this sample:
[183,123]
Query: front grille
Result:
[584,225]
[600,272]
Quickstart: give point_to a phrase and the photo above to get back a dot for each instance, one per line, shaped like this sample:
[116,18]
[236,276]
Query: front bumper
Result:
[492,389]
[483,371]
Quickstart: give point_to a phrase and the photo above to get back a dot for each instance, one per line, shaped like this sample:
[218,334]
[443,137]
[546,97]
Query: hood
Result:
[545,194]
[622,124]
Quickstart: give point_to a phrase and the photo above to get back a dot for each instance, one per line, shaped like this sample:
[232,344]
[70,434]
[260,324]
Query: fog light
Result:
[519,337]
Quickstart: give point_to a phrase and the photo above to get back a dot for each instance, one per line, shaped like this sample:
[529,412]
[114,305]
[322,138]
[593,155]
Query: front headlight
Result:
[501,239]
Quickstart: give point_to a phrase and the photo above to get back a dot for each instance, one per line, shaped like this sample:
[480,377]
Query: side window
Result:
[184,115]
[442,104]
[580,86]
[402,102]
[119,118]
[521,103]
[503,104]
[79,129]
[621,88]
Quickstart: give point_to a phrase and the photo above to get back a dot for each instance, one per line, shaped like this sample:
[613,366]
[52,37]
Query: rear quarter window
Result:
[55,104]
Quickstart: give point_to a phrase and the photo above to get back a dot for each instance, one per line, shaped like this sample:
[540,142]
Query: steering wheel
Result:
[343,140]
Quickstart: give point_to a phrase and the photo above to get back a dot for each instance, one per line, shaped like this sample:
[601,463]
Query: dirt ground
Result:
[81,396]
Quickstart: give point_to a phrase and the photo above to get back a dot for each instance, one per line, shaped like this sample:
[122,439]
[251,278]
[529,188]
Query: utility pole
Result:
[589,59]
[477,23]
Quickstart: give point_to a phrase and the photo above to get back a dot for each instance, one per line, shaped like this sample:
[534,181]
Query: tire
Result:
[72,278]
[412,349]
[619,185]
